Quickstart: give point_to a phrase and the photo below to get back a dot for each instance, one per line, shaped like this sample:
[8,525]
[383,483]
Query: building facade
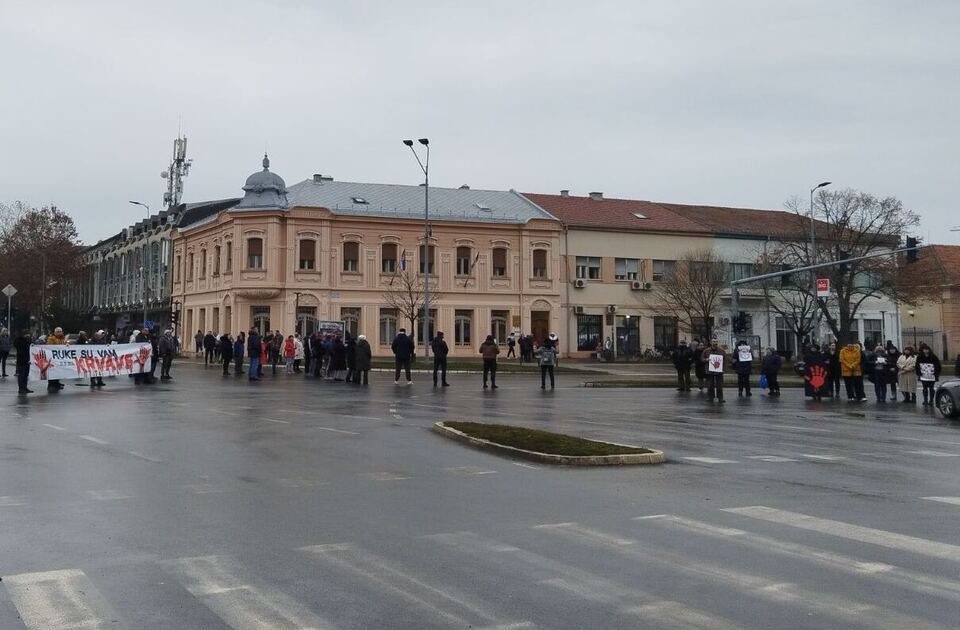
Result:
[285,259]
[935,319]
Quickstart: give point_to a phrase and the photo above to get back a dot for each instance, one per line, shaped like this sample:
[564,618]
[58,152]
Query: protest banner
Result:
[65,362]
[334,329]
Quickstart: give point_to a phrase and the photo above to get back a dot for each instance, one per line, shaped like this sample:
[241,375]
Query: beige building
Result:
[935,320]
[284,259]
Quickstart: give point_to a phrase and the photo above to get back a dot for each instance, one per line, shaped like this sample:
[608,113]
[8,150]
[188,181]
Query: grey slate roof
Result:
[406,202]
[203,211]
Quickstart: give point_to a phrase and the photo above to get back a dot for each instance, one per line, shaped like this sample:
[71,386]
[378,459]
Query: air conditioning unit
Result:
[647,286]
[578,310]
[579,283]
[611,308]
[639,285]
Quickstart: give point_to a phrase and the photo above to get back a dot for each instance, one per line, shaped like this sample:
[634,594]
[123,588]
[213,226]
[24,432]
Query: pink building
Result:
[284,259]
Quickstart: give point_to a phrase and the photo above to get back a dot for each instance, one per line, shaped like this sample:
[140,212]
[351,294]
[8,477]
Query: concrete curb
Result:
[656,457]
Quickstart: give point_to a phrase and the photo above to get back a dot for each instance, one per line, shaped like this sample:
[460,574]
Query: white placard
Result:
[715,363]
[745,355]
[928,372]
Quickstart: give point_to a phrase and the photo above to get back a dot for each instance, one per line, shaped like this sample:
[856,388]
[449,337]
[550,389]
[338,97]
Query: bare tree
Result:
[788,296]
[692,293]
[850,224]
[406,295]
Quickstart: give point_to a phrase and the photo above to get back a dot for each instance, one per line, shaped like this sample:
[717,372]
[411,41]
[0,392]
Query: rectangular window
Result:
[176,268]
[260,318]
[217,328]
[539,263]
[741,271]
[664,333]
[228,262]
[216,260]
[203,264]
[462,327]
[588,267]
[589,331]
[388,258]
[664,270]
[426,259]
[463,261]
[430,328]
[308,254]
[786,336]
[255,253]
[388,325]
[351,256]
[499,262]
[306,320]
[872,333]
[190,266]
[702,330]
[626,269]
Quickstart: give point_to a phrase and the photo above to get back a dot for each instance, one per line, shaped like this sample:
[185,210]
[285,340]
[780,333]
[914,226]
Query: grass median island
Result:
[542,441]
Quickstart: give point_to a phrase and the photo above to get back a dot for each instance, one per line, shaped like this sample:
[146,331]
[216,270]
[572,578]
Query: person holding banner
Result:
[928,369]
[56,339]
[713,358]
[99,339]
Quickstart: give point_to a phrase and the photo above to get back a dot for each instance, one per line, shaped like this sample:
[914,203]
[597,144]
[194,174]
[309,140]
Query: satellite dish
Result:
[164,174]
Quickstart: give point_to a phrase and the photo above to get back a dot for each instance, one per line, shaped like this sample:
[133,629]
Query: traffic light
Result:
[786,280]
[912,253]
[844,267]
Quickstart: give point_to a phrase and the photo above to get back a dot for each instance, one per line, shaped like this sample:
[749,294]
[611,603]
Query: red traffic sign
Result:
[823,287]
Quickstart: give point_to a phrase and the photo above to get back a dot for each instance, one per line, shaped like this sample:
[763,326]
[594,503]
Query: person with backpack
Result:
[489,351]
[928,369]
[440,352]
[547,358]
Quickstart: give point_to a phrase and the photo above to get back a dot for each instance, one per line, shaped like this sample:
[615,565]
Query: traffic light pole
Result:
[735,297]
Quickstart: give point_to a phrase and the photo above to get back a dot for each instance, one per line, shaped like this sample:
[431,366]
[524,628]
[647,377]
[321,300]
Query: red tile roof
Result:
[748,222]
[617,214]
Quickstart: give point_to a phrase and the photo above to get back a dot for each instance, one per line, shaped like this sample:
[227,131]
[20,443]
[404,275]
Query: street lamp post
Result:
[813,253]
[140,203]
[296,313]
[143,285]
[425,259]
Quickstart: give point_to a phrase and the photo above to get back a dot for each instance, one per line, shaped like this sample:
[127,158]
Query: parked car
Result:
[947,398]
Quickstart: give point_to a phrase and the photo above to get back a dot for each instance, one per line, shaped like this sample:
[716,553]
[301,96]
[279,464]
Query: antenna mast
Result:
[179,168]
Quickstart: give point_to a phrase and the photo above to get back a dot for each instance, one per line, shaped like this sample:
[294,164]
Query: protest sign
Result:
[334,329]
[928,372]
[65,362]
[715,364]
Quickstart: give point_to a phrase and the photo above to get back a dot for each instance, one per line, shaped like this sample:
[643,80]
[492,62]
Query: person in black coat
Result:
[770,367]
[682,358]
[928,371]
[816,366]
[253,353]
[22,345]
[743,365]
[350,348]
[440,352]
[699,363]
[209,345]
[833,377]
[226,352]
[338,362]
[402,347]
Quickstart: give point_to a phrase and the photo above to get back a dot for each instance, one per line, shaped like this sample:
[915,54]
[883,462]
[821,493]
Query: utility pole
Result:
[426,259]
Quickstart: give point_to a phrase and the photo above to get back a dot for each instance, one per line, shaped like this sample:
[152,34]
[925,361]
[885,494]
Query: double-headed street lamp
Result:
[425,258]
[140,203]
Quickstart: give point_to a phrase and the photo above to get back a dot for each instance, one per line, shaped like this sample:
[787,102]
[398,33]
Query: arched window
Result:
[464,260]
[499,262]
[388,325]
[351,256]
[308,254]
[351,320]
[255,253]
[539,263]
[462,327]
[426,258]
[203,264]
[388,258]
[190,266]
[228,260]
[498,325]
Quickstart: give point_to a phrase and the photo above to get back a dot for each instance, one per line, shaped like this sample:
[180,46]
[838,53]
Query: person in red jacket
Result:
[289,351]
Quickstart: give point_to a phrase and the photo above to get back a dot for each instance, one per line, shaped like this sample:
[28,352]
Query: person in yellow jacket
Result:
[852,371]
[56,339]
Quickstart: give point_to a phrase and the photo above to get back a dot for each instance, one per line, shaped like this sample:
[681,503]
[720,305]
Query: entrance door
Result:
[539,325]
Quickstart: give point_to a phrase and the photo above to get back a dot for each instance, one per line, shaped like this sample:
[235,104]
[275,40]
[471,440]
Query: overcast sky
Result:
[742,103]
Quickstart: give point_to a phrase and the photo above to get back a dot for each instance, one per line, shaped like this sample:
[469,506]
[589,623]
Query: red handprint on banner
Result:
[142,356]
[716,362]
[817,377]
[43,364]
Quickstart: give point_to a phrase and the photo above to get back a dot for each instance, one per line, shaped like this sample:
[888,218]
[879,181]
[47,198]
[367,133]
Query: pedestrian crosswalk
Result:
[613,573]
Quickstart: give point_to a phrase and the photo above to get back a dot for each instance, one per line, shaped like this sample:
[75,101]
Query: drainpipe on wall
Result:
[566,273]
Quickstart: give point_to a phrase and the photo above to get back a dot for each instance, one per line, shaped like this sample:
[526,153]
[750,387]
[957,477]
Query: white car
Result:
[947,398]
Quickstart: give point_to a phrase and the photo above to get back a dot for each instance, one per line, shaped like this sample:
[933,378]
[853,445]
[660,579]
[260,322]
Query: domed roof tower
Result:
[264,190]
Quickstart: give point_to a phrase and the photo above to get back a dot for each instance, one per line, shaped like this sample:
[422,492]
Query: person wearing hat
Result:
[547,359]
[440,352]
[403,351]
[489,351]
[363,355]
[682,360]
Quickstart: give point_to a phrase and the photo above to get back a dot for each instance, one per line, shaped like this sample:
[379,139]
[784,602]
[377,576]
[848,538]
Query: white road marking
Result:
[54,427]
[678,615]
[60,600]
[301,483]
[336,430]
[95,440]
[929,453]
[796,428]
[782,593]
[385,476]
[223,412]
[203,488]
[275,421]
[825,458]
[710,460]
[774,459]
[12,501]
[146,457]
[950,500]
[926,440]
[526,466]
[453,607]
[106,495]
[904,578]
[217,582]
[878,537]
[470,470]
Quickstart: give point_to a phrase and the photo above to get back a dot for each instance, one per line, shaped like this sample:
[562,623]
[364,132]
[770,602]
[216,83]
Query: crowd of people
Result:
[830,372]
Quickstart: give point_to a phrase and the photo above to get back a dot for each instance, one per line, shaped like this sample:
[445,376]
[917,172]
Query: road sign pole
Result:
[9,299]
[9,291]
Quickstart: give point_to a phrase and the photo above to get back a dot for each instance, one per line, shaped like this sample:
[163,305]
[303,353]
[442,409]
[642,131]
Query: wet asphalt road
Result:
[217,503]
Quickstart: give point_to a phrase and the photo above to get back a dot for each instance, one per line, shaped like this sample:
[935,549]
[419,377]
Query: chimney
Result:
[564,193]
[319,179]
[596,196]
[465,187]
